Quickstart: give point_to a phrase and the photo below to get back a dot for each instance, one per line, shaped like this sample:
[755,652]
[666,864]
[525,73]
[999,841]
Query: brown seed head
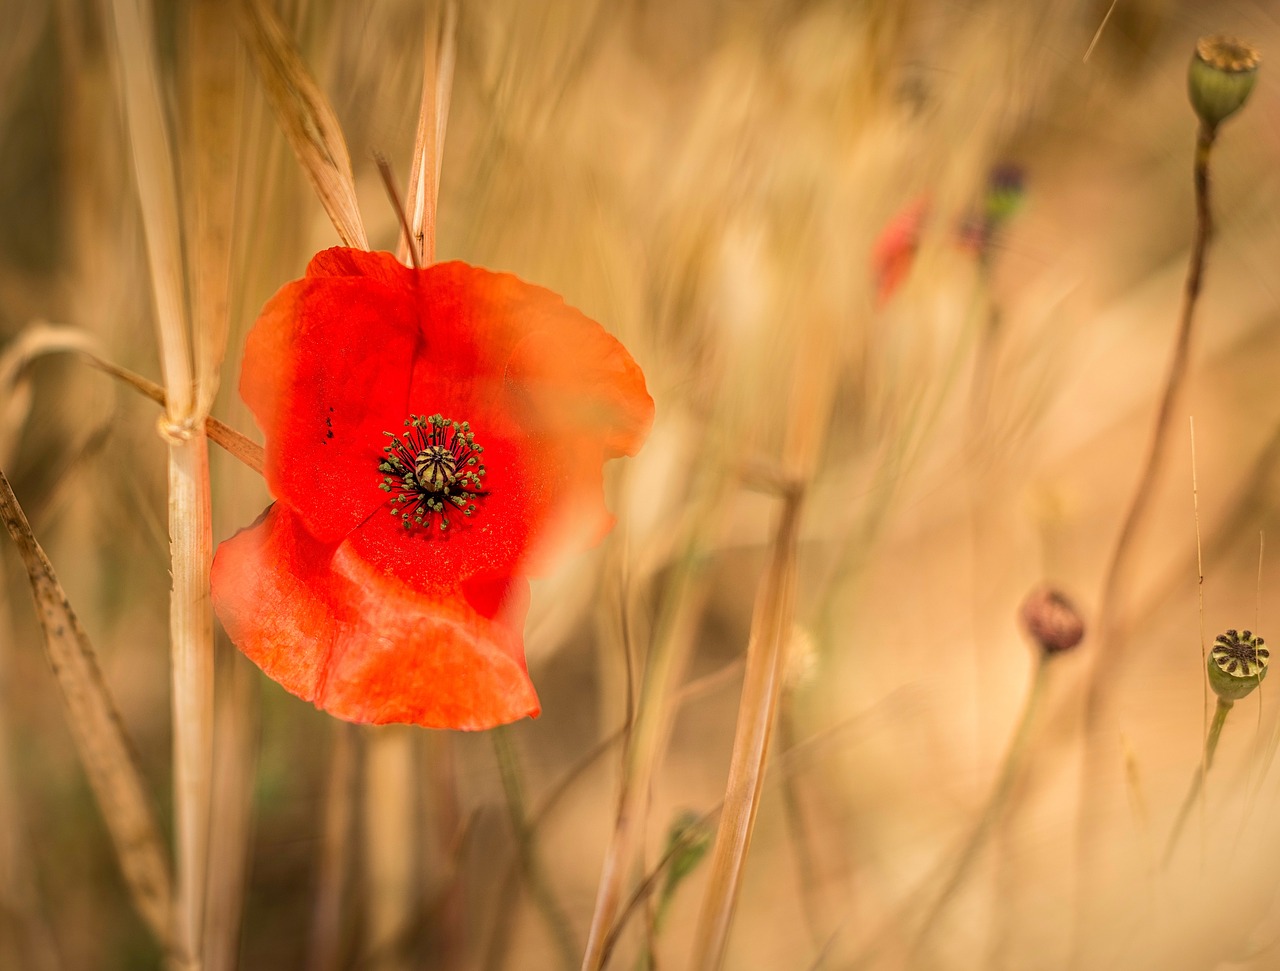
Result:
[1228,54]
[1052,620]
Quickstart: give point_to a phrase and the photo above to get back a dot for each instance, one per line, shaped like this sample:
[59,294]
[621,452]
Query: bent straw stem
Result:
[766,660]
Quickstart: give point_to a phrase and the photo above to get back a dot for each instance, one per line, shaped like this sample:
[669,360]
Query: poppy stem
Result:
[1098,777]
[1197,780]
[530,863]
[1110,612]
[997,802]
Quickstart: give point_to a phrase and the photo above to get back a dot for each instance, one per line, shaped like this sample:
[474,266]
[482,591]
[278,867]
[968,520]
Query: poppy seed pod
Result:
[1222,73]
[1051,620]
[1237,664]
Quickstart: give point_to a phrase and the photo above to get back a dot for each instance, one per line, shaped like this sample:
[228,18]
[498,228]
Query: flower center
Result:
[1239,654]
[431,469]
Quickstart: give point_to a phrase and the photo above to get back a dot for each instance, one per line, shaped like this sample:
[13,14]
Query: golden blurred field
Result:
[708,180]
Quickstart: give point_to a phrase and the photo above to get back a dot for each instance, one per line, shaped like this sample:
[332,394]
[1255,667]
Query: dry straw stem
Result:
[98,732]
[428,142]
[157,195]
[305,116]
[190,514]
[757,709]
[216,89]
[235,762]
[221,817]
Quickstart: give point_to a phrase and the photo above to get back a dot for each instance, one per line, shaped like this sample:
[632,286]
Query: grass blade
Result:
[98,732]
[306,117]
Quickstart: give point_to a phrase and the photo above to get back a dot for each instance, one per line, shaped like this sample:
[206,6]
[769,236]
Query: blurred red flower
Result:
[433,438]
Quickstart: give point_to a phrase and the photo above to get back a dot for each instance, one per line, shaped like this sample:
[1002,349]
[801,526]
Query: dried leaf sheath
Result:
[305,116]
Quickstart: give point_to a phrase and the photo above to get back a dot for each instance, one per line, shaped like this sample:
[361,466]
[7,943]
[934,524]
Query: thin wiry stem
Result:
[535,874]
[1197,780]
[1010,769]
[1110,611]
[672,640]
[1109,650]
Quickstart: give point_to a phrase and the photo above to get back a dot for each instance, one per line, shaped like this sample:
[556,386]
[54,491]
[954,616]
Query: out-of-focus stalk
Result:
[757,711]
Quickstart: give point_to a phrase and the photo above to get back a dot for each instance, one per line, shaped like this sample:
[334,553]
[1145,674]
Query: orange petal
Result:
[332,629]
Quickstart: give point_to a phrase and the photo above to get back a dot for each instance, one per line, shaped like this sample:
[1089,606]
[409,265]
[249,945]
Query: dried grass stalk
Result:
[216,86]
[306,117]
[235,762]
[757,714]
[191,638]
[190,516]
[157,195]
[428,142]
[98,732]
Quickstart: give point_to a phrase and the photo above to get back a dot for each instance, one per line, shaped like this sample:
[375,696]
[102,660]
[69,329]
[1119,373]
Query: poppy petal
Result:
[326,372]
[331,628]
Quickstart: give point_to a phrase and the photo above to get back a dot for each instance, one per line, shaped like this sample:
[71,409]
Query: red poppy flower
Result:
[895,248]
[433,438]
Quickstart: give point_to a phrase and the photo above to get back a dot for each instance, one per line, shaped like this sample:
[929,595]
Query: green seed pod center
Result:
[432,469]
[435,468]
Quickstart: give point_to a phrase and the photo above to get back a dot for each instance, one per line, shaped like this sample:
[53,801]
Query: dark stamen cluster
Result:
[1240,653]
[432,468]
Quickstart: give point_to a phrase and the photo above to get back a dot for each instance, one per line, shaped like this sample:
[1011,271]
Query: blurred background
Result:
[967,238]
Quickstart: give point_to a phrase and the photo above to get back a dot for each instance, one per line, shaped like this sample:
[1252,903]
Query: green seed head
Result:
[1237,664]
[1223,71]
